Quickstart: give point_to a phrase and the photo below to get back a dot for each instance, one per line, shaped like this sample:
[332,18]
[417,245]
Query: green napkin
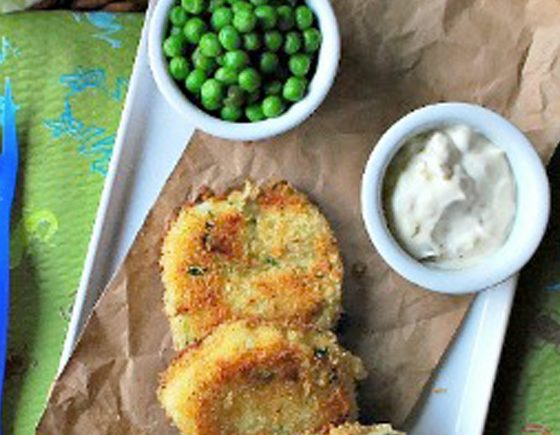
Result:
[70,73]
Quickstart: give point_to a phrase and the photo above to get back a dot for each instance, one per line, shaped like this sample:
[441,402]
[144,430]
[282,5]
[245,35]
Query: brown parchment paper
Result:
[397,55]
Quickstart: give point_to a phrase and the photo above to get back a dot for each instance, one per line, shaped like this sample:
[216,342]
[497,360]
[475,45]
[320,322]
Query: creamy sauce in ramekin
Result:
[450,197]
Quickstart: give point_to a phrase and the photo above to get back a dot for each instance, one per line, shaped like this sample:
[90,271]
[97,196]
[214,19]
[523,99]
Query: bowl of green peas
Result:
[244,69]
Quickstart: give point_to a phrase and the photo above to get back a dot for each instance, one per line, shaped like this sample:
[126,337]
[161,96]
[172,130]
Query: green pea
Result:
[210,45]
[221,17]
[251,41]
[259,2]
[266,17]
[254,112]
[272,106]
[311,40]
[249,79]
[179,68]
[195,80]
[294,89]
[236,59]
[244,21]
[175,30]
[292,43]
[226,75]
[269,62]
[231,113]
[173,46]
[178,16]
[205,63]
[235,96]
[273,40]
[215,4]
[194,29]
[273,88]
[194,7]
[299,64]
[286,18]
[229,38]
[210,104]
[304,17]
[241,5]
[212,89]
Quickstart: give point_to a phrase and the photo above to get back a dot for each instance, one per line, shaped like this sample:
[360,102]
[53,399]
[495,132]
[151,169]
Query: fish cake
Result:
[357,429]
[255,377]
[257,252]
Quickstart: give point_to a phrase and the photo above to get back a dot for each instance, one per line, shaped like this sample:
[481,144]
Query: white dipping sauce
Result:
[450,197]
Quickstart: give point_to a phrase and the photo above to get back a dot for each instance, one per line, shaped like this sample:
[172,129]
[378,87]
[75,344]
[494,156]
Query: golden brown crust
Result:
[258,378]
[256,252]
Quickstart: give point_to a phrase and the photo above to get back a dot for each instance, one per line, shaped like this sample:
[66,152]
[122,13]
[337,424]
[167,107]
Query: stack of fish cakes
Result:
[252,286]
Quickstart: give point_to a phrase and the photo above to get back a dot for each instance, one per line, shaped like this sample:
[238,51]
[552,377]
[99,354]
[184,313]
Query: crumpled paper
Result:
[397,55]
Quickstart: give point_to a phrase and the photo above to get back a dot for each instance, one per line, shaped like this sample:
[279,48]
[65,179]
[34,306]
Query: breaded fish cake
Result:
[259,252]
[251,377]
[357,429]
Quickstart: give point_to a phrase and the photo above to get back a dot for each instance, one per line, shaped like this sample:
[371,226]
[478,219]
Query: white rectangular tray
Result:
[150,140]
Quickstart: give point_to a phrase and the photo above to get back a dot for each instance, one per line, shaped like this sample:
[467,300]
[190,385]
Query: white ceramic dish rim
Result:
[327,67]
[533,199]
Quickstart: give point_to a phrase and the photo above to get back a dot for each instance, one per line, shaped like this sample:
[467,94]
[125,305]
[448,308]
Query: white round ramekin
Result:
[533,199]
[327,66]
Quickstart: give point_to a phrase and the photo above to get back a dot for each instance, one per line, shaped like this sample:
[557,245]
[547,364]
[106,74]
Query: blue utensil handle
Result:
[8,171]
